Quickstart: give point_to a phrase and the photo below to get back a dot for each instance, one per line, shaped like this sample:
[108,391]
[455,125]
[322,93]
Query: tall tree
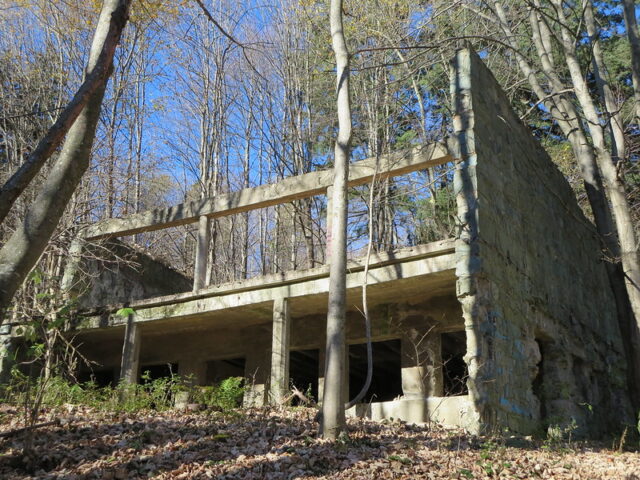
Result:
[22,251]
[333,418]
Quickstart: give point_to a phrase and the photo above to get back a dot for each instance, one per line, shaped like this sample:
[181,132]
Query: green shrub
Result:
[225,395]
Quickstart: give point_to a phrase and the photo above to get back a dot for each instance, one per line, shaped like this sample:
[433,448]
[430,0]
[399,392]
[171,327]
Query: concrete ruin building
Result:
[509,325]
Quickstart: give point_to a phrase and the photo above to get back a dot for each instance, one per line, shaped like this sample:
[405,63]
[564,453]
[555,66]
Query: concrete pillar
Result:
[279,380]
[329,225]
[6,353]
[129,367]
[421,364]
[202,253]
[256,371]
[72,266]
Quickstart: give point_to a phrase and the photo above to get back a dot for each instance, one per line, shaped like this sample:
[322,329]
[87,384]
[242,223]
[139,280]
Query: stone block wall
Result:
[543,345]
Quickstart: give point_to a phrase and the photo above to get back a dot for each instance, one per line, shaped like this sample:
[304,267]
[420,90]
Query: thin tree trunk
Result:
[631,24]
[614,118]
[333,418]
[22,251]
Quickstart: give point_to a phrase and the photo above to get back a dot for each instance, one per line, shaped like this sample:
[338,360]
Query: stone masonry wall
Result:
[543,346]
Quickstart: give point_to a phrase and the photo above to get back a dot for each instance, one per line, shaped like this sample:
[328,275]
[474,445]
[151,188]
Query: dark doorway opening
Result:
[102,378]
[304,367]
[219,370]
[538,382]
[386,382]
[148,373]
[454,368]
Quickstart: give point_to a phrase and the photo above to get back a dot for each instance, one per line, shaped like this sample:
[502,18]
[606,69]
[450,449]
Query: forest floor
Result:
[269,444]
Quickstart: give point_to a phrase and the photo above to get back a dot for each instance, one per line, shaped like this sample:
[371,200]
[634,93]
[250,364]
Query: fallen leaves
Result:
[271,444]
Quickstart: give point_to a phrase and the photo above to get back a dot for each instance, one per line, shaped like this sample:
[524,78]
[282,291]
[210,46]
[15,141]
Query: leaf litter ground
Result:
[283,444]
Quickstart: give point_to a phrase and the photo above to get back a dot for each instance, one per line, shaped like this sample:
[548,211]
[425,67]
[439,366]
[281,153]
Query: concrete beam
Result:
[281,334]
[287,190]
[441,248]
[314,285]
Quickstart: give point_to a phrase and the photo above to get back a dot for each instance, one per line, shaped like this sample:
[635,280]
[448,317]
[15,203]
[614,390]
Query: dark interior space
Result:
[454,368]
[538,382]
[218,370]
[304,366]
[154,372]
[102,378]
[386,383]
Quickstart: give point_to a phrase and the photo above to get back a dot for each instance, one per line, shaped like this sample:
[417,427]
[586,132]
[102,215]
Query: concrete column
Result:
[421,364]
[6,353]
[279,383]
[72,266]
[202,253]
[329,226]
[129,367]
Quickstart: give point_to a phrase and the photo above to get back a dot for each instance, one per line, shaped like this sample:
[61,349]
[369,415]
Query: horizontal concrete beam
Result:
[254,293]
[287,190]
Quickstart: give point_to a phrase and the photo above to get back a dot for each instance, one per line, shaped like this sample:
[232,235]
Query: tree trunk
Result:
[634,41]
[98,71]
[613,181]
[22,251]
[333,418]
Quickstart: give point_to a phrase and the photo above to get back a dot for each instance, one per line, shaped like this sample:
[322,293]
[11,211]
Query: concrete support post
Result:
[421,364]
[279,383]
[130,352]
[202,253]
[329,225]
[72,266]
[6,353]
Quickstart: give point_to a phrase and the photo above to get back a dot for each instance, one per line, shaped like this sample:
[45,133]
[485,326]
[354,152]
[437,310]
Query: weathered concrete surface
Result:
[453,411]
[130,364]
[7,349]
[529,276]
[403,272]
[280,340]
[287,190]
[113,272]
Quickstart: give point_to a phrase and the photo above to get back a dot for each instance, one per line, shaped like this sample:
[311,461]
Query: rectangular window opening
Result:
[454,368]
[386,382]
[149,373]
[304,367]
[219,370]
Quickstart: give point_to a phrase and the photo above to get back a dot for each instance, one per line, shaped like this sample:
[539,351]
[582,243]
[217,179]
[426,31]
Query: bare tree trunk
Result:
[634,41]
[99,70]
[613,116]
[613,181]
[333,418]
[22,251]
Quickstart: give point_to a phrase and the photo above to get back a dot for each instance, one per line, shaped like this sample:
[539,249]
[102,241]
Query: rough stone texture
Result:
[114,272]
[529,276]
[6,353]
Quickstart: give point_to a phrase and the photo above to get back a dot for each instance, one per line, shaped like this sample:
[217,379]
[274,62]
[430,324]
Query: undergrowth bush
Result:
[158,394]
[226,395]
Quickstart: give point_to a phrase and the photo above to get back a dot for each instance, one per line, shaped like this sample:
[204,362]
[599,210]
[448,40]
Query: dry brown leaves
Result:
[269,444]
